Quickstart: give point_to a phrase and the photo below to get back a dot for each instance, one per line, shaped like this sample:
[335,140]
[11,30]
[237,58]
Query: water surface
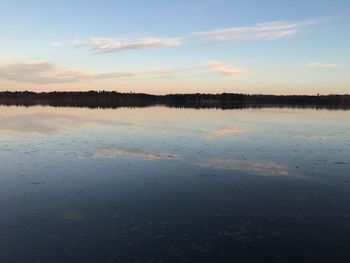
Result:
[174,185]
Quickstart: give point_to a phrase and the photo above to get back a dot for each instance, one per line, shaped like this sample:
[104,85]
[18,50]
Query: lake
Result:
[161,184]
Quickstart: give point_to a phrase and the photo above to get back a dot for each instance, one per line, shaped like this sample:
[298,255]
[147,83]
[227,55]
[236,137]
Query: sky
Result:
[179,46]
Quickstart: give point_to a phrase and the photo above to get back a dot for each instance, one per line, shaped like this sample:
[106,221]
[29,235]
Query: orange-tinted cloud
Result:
[42,73]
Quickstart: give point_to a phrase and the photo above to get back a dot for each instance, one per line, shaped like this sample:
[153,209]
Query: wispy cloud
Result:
[45,73]
[320,65]
[56,44]
[164,72]
[261,31]
[224,67]
[41,73]
[107,45]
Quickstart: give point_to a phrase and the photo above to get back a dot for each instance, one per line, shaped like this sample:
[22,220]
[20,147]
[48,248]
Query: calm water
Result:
[174,185]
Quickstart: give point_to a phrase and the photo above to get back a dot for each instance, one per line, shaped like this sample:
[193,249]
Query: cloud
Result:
[56,44]
[223,132]
[320,65]
[46,73]
[163,72]
[262,31]
[223,67]
[110,152]
[262,168]
[115,75]
[106,45]
[42,73]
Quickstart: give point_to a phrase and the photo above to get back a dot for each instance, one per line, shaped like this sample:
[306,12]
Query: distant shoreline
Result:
[112,99]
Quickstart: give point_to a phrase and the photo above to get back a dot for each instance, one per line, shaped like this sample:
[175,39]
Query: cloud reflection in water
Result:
[110,152]
[223,132]
[262,168]
[48,123]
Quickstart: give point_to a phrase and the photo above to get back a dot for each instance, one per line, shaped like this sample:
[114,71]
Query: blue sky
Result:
[278,47]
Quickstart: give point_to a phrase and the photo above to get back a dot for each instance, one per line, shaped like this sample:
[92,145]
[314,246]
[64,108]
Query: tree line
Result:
[113,99]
